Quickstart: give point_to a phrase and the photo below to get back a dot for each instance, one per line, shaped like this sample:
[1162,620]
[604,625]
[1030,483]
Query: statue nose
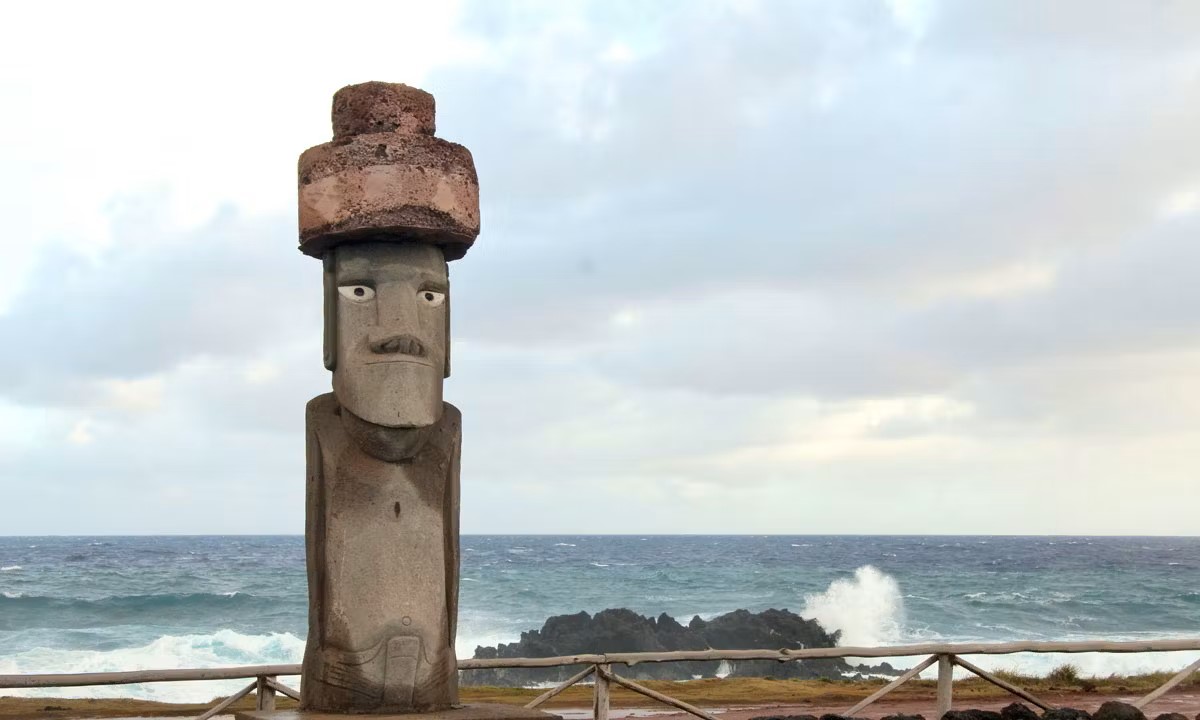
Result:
[398,344]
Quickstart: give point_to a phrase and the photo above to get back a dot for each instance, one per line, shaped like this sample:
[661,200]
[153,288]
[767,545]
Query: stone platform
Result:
[465,712]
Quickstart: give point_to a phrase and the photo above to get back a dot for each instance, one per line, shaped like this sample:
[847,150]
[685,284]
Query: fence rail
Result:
[266,685]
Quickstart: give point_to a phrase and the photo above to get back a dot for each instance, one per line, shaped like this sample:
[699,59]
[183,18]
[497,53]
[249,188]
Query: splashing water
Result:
[868,608]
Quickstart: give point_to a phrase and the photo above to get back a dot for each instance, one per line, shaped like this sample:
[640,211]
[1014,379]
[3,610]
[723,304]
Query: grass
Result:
[705,693]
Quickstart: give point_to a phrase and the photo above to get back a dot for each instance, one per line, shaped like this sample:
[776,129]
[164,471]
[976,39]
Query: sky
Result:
[745,267]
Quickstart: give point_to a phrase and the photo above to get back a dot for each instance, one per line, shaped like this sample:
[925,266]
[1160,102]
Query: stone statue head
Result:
[387,320]
[385,205]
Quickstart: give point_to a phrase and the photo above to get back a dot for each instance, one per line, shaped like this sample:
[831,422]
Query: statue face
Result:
[387,331]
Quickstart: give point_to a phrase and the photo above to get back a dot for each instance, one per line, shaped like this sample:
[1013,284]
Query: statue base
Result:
[463,712]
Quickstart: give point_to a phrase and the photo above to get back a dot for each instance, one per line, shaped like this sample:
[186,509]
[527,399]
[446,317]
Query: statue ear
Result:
[446,371]
[330,282]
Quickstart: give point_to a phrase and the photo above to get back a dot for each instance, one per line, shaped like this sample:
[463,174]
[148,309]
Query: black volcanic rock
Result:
[1066,713]
[1017,711]
[621,630]
[971,715]
[1113,710]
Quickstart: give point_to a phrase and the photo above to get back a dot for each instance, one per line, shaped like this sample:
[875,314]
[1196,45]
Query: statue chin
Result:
[391,394]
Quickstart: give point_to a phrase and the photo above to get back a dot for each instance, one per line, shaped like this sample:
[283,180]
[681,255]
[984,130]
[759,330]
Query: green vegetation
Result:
[1064,674]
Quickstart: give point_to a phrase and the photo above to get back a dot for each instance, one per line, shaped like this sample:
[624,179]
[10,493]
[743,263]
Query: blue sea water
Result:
[76,604]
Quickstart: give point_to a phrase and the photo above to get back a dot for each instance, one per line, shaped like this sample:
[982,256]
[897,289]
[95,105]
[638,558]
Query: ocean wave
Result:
[1088,664]
[222,648]
[10,568]
[40,611]
[1029,596]
[868,609]
[139,602]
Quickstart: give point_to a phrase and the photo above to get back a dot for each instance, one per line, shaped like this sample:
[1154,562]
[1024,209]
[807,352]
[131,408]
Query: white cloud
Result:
[81,433]
[1180,203]
[212,102]
[744,265]
[139,396]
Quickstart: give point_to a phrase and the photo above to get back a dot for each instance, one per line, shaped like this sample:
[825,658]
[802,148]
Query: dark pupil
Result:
[429,297]
[359,291]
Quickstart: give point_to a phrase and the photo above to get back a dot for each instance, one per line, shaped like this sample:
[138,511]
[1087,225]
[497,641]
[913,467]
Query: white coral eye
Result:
[357,293]
[432,298]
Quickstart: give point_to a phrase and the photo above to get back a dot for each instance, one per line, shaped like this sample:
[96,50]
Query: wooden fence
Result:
[599,667]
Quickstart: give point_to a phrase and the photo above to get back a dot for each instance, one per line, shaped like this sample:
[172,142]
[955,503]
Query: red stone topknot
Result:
[374,107]
[385,177]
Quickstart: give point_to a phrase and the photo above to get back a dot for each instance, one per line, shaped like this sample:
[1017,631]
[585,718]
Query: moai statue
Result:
[385,206]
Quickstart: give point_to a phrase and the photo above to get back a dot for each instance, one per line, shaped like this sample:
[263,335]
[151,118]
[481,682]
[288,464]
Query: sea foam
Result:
[222,648]
[868,609]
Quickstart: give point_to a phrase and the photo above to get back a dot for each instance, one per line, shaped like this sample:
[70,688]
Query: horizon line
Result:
[555,534]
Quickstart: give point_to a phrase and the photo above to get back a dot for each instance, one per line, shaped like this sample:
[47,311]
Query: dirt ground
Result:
[1185,703]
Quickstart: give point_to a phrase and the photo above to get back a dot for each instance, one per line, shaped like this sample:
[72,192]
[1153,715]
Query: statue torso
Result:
[382,524]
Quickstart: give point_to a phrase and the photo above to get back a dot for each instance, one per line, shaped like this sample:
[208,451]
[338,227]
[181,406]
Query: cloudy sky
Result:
[746,267]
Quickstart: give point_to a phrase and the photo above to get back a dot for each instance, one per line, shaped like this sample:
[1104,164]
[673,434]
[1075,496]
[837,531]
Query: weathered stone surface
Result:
[383,556]
[1017,711]
[377,107]
[384,205]
[1066,713]
[390,326]
[1114,710]
[464,712]
[1171,716]
[382,515]
[397,183]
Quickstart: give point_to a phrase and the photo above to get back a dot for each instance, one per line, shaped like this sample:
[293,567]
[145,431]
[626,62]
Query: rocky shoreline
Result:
[622,630]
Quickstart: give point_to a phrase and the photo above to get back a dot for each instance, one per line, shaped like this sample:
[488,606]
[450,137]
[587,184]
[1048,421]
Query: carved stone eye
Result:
[357,293]
[432,298]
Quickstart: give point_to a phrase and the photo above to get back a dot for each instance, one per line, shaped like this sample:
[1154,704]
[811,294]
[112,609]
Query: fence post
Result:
[945,686]
[264,694]
[600,696]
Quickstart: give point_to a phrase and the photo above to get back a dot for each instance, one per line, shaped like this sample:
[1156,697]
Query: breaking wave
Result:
[222,648]
[868,609]
[18,611]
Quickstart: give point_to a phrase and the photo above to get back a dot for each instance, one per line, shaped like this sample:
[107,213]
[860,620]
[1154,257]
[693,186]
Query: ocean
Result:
[79,604]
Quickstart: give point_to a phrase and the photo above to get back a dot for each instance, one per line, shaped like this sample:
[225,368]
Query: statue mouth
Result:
[399,359]
[398,345]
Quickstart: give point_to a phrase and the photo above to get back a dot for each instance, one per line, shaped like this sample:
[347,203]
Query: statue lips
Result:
[399,348]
